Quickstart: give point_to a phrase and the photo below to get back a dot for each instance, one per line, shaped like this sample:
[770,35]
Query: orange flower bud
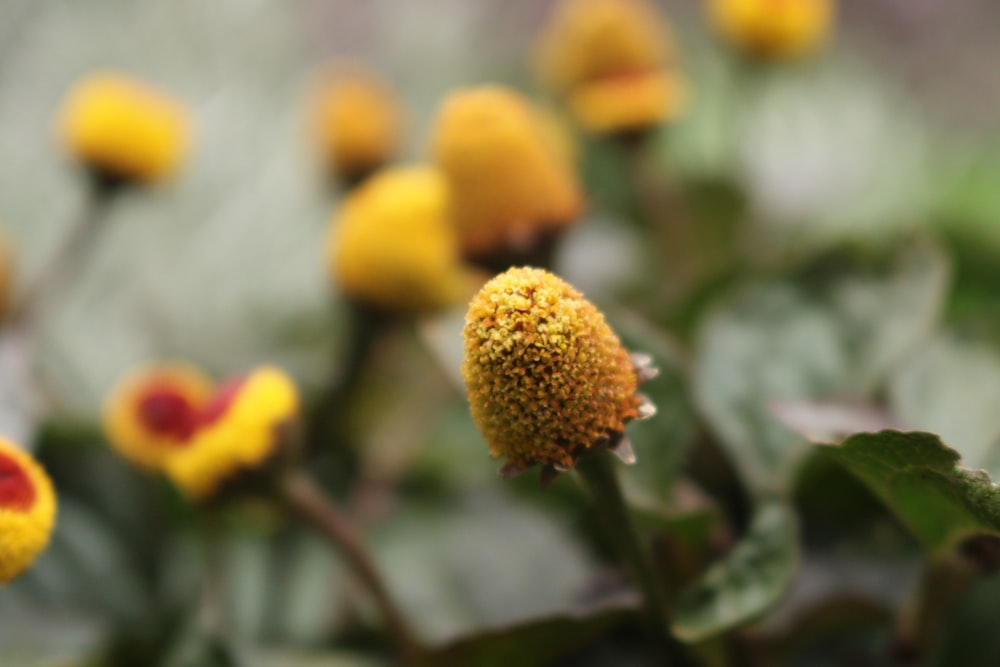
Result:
[774,29]
[123,129]
[357,121]
[547,378]
[27,510]
[510,187]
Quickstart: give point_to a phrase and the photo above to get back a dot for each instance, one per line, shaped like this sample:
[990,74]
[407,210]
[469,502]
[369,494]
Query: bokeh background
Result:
[893,129]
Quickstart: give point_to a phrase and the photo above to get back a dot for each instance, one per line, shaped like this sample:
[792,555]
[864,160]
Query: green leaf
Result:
[920,479]
[833,329]
[950,388]
[744,585]
[532,643]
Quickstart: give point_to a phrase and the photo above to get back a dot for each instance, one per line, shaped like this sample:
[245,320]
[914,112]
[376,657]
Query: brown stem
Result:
[312,504]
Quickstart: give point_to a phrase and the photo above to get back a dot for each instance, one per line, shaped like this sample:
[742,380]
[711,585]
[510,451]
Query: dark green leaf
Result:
[921,480]
[747,582]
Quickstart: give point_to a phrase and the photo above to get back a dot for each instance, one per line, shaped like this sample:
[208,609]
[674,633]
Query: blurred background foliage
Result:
[846,216]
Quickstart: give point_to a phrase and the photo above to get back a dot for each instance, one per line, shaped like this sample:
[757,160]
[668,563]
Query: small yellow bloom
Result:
[27,510]
[774,29]
[547,378]
[356,121]
[124,129]
[392,245]
[613,60]
[629,103]
[239,430]
[153,411]
[510,187]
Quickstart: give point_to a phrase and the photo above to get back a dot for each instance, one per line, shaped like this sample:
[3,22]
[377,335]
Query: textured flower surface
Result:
[547,378]
[124,129]
[509,184]
[357,121]
[392,244]
[238,431]
[27,510]
[774,29]
[153,411]
[613,62]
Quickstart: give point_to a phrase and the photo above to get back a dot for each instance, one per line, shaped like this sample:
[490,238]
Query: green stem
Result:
[598,474]
[943,581]
[75,248]
[307,500]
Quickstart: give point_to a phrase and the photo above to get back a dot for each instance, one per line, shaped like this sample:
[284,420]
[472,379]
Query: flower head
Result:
[27,510]
[547,378]
[510,186]
[773,29]
[392,245]
[153,412]
[356,121]
[123,129]
[613,60]
[239,430]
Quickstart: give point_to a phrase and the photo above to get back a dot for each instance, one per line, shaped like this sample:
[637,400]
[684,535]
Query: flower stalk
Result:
[304,497]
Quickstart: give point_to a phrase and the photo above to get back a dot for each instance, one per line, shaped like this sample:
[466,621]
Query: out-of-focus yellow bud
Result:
[153,412]
[123,129]
[357,121]
[240,429]
[773,29]
[613,61]
[510,188]
[547,378]
[392,246]
[629,103]
[27,510]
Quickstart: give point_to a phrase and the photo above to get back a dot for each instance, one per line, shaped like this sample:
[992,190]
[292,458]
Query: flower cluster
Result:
[613,62]
[547,378]
[169,417]
[27,510]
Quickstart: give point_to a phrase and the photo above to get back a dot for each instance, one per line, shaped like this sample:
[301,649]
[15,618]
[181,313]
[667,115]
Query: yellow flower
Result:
[547,378]
[27,510]
[124,129]
[153,411]
[356,121]
[510,187]
[613,61]
[629,103]
[392,245]
[774,29]
[239,430]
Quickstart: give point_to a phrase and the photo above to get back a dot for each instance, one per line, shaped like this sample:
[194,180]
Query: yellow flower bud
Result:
[239,430]
[357,121]
[590,39]
[392,246]
[510,188]
[123,129]
[547,378]
[629,103]
[773,29]
[153,411]
[27,510]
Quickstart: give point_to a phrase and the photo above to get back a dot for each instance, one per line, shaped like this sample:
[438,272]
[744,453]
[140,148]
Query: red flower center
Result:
[16,490]
[220,402]
[168,412]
